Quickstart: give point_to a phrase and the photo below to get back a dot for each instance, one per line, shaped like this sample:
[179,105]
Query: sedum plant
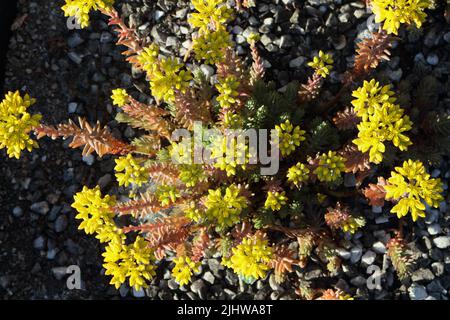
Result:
[182,209]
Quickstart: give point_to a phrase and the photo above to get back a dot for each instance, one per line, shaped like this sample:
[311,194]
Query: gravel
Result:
[72,72]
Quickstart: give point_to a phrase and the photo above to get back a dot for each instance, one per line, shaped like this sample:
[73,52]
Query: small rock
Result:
[447,37]
[359,13]
[106,37]
[368,258]
[208,277]
[297,62]
[422,275]
[344,254]
[381,220]
[377,209]
[138,294]
[358,281]
[438,268]
[207,70]
[74,40]
[379,247]
[75,57]
[89,159]
[199,288]
[158,14]
[72,107]
[434,229]
[17,212]
[442,242]
[273,283]
[433,59]
[172,284]
[417,292]
[40,207]
[61,223]
[123,291]
[39,243]
[59,272]
[355,254]
[396,75]
[215,266]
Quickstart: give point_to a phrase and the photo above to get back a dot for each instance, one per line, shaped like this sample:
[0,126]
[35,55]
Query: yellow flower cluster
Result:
[129,170]
[298,174]
[192,212]
[80,9]
[165,75]
[251,258]
[148,58]
[370,97]
[210,46]
[16,124]
[396,12]
[121,261]
[119,97]
[411,185]
[275,200]
[184,269]
[225,208]
[96,215]
[210,14]
[229,153]
[231,120]
[93,209]
[192,174]
[129,261]
[330,167]
[382,120]
[167,78]
[167,194]
[227,91]
[289,137]
[322,64]
[352,224]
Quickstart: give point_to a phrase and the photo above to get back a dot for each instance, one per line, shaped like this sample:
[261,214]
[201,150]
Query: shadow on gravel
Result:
[8,11]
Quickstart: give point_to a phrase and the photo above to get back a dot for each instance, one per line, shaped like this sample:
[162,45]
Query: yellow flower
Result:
[211,45]
[229,153]
[298,174]
[411,185]
[167,194]
[275,200]
[167,77]
[370,97]
[192,174]
[251,258]
[129,261]
[210,14]
[289,137]
[148,58]
[228,93]
[119,97]
[323,64]
[80,9]
[93,209]
[396,12]
[109,232]
[225,209]
[129,170]
[386,123]
[16,124]
[184,269]
[330,167]
[192,212]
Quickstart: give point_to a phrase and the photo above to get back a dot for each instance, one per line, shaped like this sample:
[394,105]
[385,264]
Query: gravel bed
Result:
[72,72]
